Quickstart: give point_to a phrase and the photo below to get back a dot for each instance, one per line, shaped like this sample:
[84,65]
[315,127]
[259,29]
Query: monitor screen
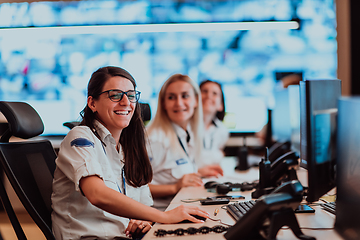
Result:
[42,59]
[347,221]
[318,113]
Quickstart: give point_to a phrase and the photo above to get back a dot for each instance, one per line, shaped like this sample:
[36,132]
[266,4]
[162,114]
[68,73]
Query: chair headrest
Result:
[70,125]
[24,122]
[145,112]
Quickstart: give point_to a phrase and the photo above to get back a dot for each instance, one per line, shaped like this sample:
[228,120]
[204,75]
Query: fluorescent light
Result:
[139,28]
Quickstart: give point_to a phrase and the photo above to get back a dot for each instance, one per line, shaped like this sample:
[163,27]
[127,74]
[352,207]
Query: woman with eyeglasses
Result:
[176,140]
[100,186]
[216,134]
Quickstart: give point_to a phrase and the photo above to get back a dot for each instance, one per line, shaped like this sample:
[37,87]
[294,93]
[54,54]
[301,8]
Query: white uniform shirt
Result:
[82,154]
[215,138]
[169,164]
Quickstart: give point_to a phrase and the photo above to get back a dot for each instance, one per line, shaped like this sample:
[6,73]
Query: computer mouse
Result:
[246,186]
[196,216]
[211,184]
[223,188]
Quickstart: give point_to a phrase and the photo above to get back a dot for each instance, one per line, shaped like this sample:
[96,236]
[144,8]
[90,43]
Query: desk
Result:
[319,219]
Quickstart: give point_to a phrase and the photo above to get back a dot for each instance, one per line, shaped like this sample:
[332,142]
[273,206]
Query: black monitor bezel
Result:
[321,177]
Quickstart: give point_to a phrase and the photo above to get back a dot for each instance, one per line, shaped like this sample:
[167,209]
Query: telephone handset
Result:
[280,166]
[292,156]
[269,214]
[278,149]
[272,174]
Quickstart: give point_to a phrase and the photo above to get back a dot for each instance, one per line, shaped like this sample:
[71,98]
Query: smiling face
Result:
[180,102]
[211,98]
[114,115]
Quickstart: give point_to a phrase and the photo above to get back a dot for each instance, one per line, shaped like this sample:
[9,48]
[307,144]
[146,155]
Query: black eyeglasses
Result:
[116,95]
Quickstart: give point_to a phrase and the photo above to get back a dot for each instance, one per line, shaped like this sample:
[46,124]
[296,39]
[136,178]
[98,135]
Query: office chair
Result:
[145,115]
[29,166]
[145,112]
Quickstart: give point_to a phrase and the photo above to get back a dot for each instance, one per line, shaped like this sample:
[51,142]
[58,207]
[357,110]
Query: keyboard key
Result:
[329,206]
[239,209]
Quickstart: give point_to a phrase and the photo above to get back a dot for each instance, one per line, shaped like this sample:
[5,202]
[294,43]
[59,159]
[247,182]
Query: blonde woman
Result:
[176,140]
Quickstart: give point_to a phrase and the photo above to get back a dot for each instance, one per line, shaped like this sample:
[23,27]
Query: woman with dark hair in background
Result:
[100,186]
[216,134]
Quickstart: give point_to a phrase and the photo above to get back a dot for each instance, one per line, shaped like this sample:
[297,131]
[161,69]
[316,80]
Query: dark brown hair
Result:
[220,115]
[138,169]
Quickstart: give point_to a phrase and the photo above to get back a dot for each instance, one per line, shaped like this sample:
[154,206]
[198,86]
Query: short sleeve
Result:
[156,152]
[79,154]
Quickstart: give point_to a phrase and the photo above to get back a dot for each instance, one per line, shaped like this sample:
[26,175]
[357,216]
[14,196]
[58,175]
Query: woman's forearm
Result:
[160,191]
[117,203]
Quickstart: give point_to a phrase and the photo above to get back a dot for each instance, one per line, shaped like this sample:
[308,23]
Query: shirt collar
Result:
[103,132]
[180,132]
[215,122]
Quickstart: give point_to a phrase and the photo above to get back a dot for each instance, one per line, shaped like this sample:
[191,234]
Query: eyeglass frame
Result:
[137,95]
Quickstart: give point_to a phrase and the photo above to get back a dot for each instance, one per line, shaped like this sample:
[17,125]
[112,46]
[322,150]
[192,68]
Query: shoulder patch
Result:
[82,142]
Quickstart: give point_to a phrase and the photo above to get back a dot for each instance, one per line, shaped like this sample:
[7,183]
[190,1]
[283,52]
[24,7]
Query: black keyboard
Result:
[329,206]
[239,209]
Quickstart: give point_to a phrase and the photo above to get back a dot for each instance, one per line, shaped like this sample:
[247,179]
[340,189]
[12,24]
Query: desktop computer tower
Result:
[347,222]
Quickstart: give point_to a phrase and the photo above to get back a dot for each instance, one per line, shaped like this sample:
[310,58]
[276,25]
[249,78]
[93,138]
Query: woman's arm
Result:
[118,204]
[191,179]
[160,191]
[213,170]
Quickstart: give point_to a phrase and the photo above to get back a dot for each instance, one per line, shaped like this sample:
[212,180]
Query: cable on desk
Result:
[192,200]
[313,204]
[219,220]
[310,228]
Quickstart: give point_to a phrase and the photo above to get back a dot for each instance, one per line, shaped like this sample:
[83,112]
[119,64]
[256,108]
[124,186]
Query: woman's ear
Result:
[91,104]
[197,102]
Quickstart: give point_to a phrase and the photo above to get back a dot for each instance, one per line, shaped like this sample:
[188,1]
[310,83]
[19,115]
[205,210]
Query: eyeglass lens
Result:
[117,96]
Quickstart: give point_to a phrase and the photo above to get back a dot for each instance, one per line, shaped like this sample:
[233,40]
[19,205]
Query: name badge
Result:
[181,161]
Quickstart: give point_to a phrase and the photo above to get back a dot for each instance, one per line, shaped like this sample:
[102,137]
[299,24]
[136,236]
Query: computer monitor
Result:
[318,112]
[347,221]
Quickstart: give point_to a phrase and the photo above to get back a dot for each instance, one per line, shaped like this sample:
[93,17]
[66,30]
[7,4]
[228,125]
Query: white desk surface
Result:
[319,219]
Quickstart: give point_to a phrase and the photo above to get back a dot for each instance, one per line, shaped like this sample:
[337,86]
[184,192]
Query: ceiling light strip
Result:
[144,28]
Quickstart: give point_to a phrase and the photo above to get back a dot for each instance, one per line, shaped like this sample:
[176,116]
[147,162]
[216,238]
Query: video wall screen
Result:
[48,66]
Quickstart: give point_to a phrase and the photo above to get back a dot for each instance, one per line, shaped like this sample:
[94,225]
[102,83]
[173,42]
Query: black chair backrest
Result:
[29,166]
[145,112]
[24,122]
